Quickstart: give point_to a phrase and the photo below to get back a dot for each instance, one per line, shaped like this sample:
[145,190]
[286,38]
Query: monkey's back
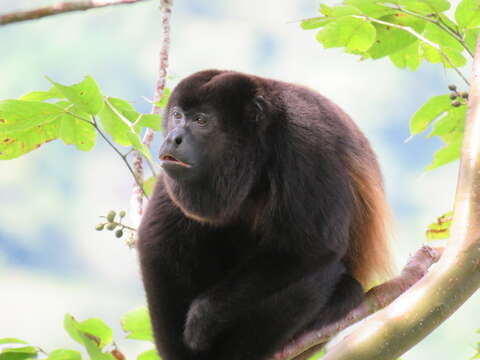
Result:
[326,130]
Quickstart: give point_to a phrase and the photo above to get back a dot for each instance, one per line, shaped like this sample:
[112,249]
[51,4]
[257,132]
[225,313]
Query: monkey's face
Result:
[211,153]
[193,143]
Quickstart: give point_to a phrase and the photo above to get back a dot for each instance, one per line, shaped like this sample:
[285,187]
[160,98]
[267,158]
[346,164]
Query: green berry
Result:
[111,215]
[122,214]
[119,233]
[111,226]
[452,87]
[99,227]
[456,103]
[453,96]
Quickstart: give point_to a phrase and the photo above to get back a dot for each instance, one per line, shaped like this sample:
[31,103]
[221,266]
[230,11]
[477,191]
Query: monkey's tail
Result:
[368,256]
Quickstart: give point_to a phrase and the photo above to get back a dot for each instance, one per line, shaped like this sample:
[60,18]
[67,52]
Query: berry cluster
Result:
[111,224]
[458,98]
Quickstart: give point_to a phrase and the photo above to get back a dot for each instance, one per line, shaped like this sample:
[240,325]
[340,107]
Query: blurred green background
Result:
[52,260]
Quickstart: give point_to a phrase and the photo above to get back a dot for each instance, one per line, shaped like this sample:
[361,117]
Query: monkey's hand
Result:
[203,324]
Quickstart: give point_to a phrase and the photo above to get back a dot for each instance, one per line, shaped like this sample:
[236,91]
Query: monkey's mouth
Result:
[170,159]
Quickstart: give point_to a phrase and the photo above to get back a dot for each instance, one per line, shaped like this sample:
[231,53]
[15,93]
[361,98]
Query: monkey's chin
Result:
[179,171]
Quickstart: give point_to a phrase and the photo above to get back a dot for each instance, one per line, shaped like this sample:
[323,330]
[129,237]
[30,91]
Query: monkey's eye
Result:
[177,115]
[200,120]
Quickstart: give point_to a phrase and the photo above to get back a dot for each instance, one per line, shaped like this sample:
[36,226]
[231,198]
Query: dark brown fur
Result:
[278,234]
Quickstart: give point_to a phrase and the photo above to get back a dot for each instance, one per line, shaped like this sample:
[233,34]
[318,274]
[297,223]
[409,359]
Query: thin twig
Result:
[418,36]
[60,8]
[123,156]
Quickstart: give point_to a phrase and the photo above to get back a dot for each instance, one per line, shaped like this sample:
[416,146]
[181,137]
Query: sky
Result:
[52,261]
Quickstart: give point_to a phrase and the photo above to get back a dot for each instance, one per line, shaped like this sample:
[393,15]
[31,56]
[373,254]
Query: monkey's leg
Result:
[274,321]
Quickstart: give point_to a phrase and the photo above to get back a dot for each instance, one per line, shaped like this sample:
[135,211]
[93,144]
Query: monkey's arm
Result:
[262,279]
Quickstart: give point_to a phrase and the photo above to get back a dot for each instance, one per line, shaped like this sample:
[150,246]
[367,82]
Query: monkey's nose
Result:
[175,137]
[178,139]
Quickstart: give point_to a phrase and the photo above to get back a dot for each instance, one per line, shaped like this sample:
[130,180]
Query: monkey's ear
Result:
[261,107]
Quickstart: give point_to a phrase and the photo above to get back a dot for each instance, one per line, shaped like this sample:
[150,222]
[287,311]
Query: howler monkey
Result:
[266,222]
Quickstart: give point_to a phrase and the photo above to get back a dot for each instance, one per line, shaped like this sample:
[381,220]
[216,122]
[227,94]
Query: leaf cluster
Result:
[74,114]
[405,31]
[95,336]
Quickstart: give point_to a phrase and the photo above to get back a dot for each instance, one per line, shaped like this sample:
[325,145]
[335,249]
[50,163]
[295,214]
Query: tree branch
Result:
[60,8]
[390,332]
[137,192]
[375,299]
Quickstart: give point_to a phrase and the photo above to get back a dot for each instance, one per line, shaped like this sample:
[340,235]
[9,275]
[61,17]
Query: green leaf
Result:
[19,115]
[53,93]
[317,356]
[75,131]
[86,94]
[137,323]
[28,349]
[114,119]
[431,54]
[467,14]
[356,35]
[425,7]
[471,37]
[449,46]
[152,121]
[390,39]
[149,184]
[149,355]
[447,154]
[433,33]
[11,341]
[15,144]
[334,13]
[139,145]
[164,99]
[314,23]
[91,342]
[16,356]
[456,58]
[441,228]
[429,111]
[371,8]
[344,10]
[408,57]
[14,349]
[453,121]
[325,9]
[64,354]
[12,355]
[99,329]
